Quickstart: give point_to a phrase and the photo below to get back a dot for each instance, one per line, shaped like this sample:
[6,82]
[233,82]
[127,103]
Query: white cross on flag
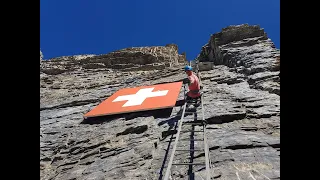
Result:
[138,99]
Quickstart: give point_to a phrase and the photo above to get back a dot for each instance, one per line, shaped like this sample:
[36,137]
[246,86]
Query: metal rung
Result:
[200,124]
[194,122]
[190,111]
[197,121]
[188,164]
[192,100]
[191,140]
[191,150]
[190,131]
[193,103]
[194,107]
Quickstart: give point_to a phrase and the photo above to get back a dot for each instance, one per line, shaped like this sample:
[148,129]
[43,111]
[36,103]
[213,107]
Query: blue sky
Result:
[72,27]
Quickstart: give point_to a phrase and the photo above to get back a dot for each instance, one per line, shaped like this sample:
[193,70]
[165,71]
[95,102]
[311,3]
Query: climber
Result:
[193,83]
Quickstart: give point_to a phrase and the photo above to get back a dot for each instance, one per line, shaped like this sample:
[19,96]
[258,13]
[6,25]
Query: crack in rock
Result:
[135,130]
[225,118]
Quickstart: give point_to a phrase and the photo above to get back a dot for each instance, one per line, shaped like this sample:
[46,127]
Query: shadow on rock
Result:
[225,118]
[159,113]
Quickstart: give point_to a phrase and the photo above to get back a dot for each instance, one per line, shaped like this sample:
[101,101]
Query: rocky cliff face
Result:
[242,109]
[129,59]
[246,50]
